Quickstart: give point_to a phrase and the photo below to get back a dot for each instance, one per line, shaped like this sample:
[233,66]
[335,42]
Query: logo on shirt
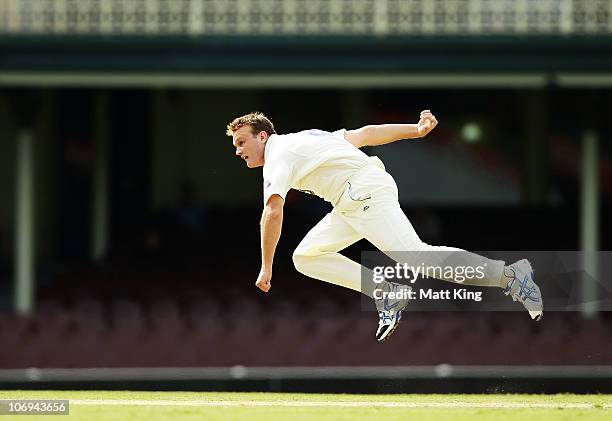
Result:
[267,184]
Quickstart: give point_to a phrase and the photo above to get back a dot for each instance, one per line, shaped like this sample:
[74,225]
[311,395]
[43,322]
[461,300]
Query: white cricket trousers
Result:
[369,208]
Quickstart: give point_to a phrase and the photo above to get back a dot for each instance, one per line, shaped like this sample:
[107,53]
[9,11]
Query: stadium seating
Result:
[304,323]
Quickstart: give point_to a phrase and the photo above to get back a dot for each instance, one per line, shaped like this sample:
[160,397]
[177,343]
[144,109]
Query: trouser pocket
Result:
[355,195]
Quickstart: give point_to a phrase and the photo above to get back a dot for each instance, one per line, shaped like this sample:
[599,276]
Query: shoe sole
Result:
[536,315]
[384,338]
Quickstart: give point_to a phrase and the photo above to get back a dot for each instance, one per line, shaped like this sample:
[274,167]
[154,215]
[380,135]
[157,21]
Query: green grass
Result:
[599,406]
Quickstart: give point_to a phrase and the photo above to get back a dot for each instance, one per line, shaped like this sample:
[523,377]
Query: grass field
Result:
[108,405]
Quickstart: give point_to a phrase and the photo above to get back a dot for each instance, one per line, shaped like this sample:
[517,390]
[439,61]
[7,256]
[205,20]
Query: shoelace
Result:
[385,317]
[393,288]
[525,291]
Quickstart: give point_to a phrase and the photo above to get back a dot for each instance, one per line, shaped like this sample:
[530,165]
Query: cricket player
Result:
[365,205]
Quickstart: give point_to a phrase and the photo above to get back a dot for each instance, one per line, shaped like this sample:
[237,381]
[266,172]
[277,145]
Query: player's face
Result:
[250,146]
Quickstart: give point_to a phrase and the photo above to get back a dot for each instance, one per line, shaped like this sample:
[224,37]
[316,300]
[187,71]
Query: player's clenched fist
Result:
[426,123]
[264,281]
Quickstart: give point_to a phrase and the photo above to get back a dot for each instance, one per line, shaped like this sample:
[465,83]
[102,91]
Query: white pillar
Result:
[589,224]
[100,225]
[24,226]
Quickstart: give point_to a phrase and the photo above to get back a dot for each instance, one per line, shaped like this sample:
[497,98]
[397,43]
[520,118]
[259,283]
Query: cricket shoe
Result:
[390,304]
[523,289]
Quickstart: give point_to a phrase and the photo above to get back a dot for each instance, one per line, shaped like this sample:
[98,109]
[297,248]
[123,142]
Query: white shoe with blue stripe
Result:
[390,308]
[522,288]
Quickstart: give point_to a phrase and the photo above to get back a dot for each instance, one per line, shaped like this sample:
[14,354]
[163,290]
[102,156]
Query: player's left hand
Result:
[264,280]
[426,123]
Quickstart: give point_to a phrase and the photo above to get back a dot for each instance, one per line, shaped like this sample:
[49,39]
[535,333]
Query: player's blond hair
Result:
[258,122]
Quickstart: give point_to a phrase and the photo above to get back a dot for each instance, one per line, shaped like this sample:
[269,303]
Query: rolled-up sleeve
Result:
[277,176]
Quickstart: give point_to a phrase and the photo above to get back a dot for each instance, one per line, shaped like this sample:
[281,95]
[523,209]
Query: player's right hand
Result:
[426,123]
[264,280]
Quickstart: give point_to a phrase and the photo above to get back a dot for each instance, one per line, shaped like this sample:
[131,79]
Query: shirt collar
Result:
[267,148]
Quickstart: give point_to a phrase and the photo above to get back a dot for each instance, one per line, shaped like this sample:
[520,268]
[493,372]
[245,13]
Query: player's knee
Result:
[301,260]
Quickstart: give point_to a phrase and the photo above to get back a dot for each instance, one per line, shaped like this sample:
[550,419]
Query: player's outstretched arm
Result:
[381,134]
[271,225]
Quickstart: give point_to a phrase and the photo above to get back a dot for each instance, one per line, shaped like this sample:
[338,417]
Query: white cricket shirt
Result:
[313,161]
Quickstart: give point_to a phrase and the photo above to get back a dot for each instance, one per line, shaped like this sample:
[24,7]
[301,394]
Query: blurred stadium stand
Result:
[141,239]
[306,327]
